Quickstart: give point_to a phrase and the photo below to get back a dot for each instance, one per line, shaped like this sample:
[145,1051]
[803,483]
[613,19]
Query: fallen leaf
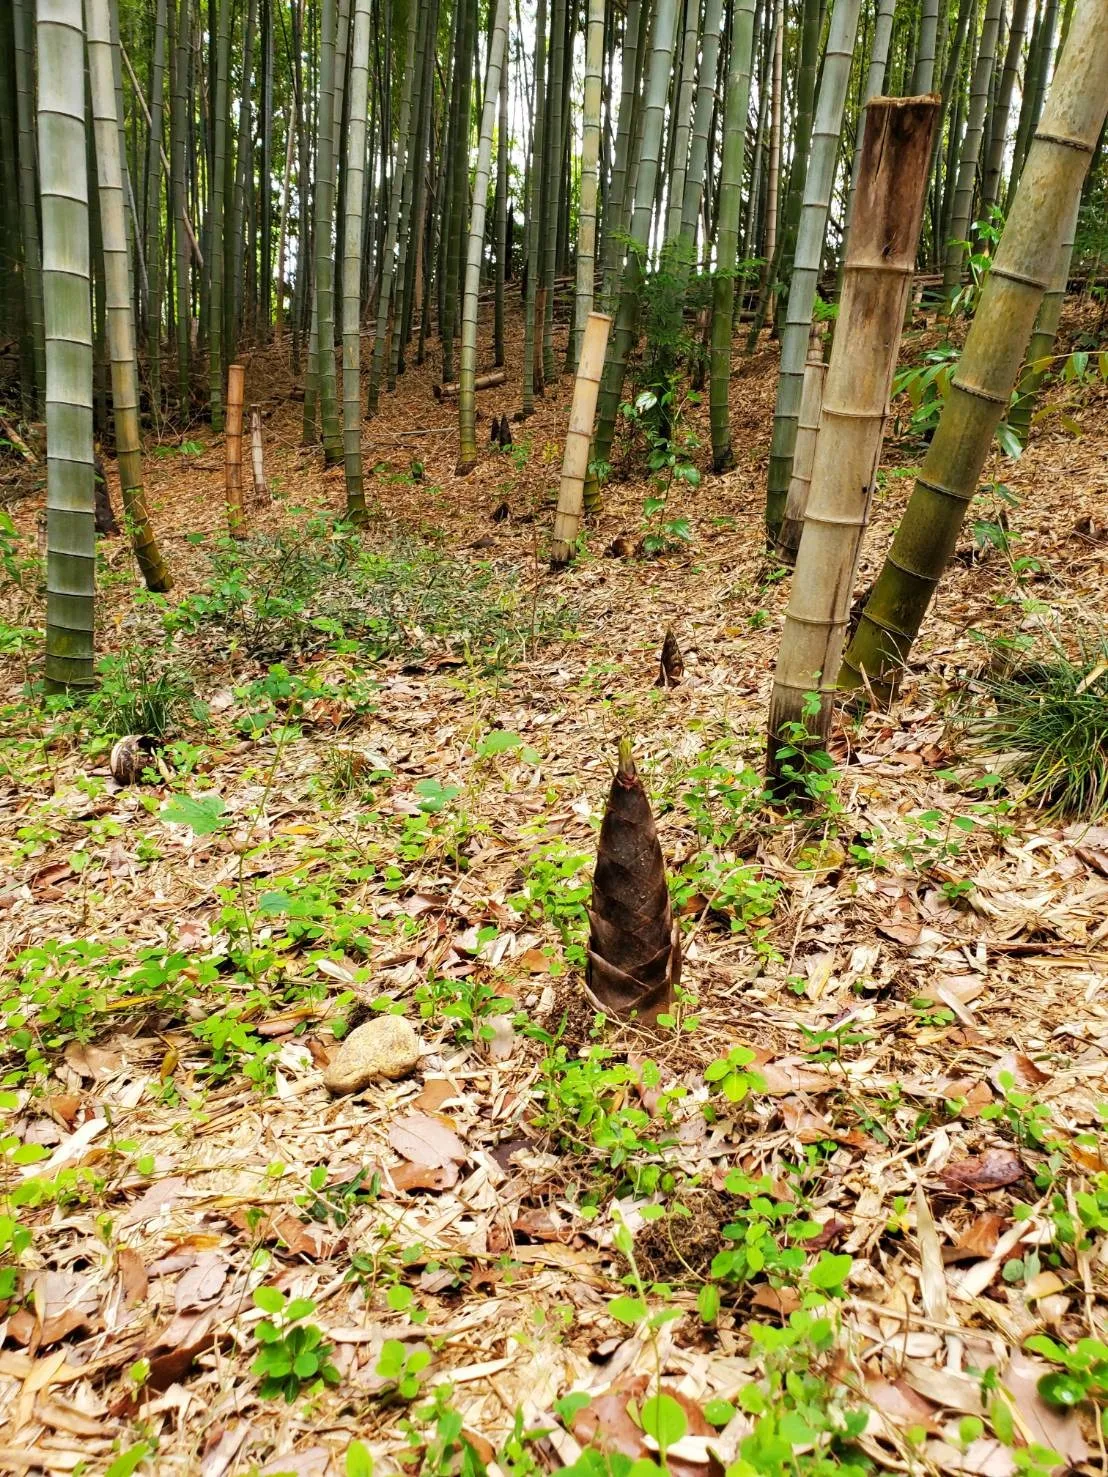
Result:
[435,1092]
[132,1275]
[408,1176]
[987,1171]
[1057,1429]
[899,1403]
[978,1239]
[1021,1068]
[302,1238]
[202,1283]
[426,1140]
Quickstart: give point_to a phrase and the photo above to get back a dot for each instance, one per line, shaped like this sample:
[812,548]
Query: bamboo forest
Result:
[554,738]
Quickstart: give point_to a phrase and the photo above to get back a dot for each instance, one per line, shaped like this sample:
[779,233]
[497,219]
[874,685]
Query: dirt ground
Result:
[917,973]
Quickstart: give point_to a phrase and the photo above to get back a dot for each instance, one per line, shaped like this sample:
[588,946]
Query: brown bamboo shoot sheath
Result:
[233,446]
[575,462]
[881,253]
[804,452]
[487,381]
[257,460]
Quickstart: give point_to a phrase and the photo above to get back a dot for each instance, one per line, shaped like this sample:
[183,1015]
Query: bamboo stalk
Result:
[575,461]
[232,442]
[70,479]
[467,359]
[896,150]
[590,155]
[119,315]
[807,432]
[804,277]
[257,457]
[1025,261]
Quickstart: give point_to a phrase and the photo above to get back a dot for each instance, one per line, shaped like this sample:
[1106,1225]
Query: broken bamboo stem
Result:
[257,461]
[575,461]
[485,381]
[233,448]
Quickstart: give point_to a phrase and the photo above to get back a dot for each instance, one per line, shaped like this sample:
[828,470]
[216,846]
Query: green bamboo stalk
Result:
[534,214]
[998,137]
[352,264]
[615,213]
[947,92]
[552,184]
[244,168]
[500,223]
[701,127]
[1025,263]
[217,195]
[264,297]
[590,158]
[63,175]
[683,122]
[819,179]
[323,317]
[459,183]
[971,148]
[1040,351]
[1035,79]
[412,243]
[119,316]
[381,339]
[923,76]
[467,372]
[28,214]
[154,205]
[178,131]
[736,107]
[626,331]
[802,141]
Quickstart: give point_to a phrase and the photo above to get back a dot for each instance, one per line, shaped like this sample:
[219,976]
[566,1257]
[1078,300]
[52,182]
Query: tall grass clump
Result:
[1047,729]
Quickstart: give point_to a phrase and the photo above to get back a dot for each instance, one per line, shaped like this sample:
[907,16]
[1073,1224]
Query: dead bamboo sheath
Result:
[233,447]
[257,463]
[575,462]
[486,381]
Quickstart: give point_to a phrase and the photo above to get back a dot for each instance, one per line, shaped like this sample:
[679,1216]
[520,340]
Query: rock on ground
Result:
[385,1046]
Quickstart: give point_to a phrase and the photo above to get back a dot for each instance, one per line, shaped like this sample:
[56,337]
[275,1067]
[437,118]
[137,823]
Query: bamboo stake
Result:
[896,150]
[575,462]
[804,455]
[257,462]
[232,442]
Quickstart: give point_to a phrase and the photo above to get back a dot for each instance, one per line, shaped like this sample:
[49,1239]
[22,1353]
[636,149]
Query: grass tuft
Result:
[1049,730]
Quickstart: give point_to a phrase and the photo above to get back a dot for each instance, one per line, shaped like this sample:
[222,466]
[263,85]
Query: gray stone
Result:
[385,1046]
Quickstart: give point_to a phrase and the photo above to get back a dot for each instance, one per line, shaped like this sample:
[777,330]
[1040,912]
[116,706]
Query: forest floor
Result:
[385,761]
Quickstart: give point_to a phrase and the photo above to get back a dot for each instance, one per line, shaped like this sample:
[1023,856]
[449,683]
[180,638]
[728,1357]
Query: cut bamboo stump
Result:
[804,452]
[257,462]
[880,256]
[232,441]
[487,381]
[575,461]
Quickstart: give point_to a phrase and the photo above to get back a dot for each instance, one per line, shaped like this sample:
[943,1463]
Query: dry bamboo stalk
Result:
[232,441]
[575,462]
[804,453]
[486,381]
[881,254]
[257,462]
